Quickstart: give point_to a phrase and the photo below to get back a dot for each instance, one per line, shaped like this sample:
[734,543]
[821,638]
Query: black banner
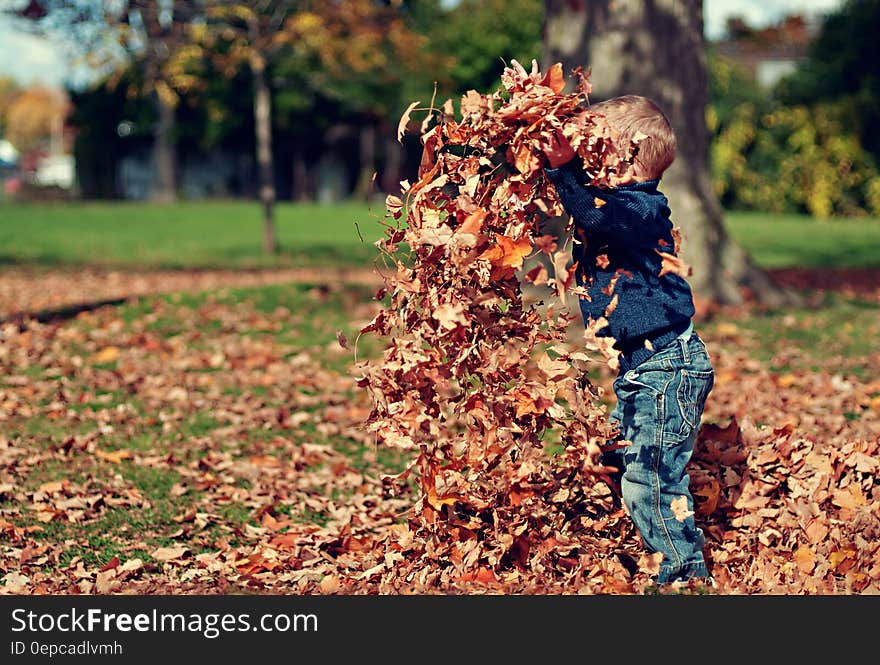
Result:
[171,629]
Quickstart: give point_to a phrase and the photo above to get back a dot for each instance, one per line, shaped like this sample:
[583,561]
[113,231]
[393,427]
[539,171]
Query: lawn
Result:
[186,235]
[797,241]
[228,234]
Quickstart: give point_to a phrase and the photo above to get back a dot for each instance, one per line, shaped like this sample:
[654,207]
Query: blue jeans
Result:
[659,407]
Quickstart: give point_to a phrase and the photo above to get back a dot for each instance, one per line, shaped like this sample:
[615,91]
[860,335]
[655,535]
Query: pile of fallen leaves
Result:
[192,447]
[481,384]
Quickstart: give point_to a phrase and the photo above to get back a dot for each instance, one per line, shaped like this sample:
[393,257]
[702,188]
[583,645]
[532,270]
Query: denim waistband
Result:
[637,352]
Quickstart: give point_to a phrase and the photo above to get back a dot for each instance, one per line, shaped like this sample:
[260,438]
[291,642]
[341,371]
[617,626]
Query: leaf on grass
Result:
[106,355]
[166,554]
[113,456]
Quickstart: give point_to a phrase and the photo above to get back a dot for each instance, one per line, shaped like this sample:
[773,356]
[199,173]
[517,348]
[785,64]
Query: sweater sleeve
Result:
[595,210]
[577,198]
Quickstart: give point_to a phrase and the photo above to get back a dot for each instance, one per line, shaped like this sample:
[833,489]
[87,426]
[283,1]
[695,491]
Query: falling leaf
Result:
[341,339]
[404,121]
[508,252]
[554,79]
[673,264]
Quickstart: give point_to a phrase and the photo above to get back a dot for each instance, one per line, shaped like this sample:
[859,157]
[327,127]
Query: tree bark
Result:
[263,130]
[301,189]
[391,174]
[367,169]
[656,48]
[164,189]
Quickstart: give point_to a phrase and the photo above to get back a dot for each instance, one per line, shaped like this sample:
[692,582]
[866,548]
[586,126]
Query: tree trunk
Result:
[367,145]
[656,48]
[391,174]
[164,189]
[263,130]
[301,189]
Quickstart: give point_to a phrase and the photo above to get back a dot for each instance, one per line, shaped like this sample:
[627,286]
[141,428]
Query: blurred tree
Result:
[35,118]
[356,52]
[777,157]
[9,90]
[841,67]
[481,36]
[142,34]
[657,49]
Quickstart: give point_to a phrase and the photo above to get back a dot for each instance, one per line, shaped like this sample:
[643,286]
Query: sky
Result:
[30,59]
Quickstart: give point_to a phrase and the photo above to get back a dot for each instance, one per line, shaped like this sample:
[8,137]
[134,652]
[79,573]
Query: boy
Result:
[665,373]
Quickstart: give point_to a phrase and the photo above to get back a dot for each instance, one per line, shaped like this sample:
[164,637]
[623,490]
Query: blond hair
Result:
[633,116]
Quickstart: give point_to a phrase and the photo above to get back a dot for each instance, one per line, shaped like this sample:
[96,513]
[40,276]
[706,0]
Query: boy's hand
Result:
[557,150]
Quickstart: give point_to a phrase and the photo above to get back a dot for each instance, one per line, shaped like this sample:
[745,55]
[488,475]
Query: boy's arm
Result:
[580,200]
[595,210]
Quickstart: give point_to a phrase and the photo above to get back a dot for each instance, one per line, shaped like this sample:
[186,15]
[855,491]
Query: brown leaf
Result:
[106,355]
[113,456]
[110,565]
[673,264]
[166,554]
[805,558]
[404,121]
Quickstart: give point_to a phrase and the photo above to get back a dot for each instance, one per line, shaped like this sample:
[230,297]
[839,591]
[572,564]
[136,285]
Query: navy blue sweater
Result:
[627,231]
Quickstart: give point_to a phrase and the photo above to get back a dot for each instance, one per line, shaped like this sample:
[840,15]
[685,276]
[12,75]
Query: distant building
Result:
[768,53]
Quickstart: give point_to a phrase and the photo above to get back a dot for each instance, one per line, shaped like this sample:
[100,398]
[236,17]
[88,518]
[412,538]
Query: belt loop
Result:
[685,351]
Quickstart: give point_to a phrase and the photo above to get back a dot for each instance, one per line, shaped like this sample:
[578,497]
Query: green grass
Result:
[186,235]
[788,241]
[228,234]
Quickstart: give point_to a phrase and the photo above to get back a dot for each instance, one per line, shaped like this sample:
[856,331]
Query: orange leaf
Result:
[673,264]
[438,502]
[481,575]
[850,498]
[838,557]
[106,355]
[805,558]
[473,223]
[554,78]
[508,252]
[114,456]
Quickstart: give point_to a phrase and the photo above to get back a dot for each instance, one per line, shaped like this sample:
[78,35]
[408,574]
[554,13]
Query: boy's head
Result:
[631,116]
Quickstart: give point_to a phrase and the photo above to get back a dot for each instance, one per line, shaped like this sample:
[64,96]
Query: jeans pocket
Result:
[692,392]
